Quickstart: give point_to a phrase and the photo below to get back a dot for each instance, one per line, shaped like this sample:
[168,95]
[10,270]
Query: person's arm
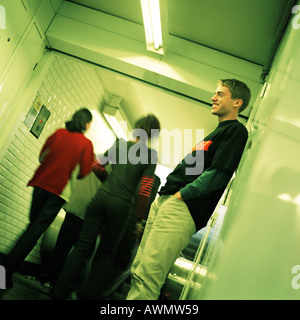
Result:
[143,198]
[210,180]
[99,170]
[145,188]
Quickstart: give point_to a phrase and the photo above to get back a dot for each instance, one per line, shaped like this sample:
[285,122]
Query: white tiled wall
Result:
[68,85]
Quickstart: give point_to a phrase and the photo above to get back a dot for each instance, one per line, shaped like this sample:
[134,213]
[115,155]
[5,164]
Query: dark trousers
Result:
[107,269]
[110,216]
[44,208]
[67,237]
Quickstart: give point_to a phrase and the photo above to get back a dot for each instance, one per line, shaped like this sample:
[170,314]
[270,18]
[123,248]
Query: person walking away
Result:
[65,152]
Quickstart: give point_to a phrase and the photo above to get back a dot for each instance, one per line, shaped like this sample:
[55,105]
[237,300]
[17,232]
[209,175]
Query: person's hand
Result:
[139,229]
[177,195]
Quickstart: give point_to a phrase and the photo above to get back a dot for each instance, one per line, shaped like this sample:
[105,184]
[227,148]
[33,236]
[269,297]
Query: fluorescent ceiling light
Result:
[154,13]
[116,121]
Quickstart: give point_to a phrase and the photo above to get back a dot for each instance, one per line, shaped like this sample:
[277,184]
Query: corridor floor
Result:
[25,288]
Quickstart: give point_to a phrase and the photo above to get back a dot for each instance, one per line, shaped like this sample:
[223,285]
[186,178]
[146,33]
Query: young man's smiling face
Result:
[224,106]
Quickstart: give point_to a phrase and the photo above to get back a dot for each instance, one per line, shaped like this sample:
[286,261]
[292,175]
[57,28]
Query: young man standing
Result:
[189,197]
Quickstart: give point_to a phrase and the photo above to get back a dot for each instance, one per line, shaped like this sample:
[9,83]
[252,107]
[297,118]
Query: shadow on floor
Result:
[25,288]
[29,288]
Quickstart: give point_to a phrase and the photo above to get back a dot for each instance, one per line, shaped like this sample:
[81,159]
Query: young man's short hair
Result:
[239,90]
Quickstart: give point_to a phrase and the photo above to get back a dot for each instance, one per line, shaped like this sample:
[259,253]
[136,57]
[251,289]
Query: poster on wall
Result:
[33,112]
[40,121]
[37,117]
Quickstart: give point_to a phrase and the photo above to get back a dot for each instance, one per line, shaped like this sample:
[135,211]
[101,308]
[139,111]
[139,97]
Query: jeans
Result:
[44,208]
[67,238]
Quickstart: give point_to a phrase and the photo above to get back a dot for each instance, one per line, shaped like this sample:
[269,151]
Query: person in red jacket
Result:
[65,154]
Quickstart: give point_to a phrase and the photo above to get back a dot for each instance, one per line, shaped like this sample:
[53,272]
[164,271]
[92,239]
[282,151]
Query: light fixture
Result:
[155,17]
[116,121]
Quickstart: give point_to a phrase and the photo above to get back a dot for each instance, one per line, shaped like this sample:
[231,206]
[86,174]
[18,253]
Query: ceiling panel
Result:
[246,29]
[125,9]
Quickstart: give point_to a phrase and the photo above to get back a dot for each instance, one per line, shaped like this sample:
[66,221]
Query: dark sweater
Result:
[220,152]
[132,174]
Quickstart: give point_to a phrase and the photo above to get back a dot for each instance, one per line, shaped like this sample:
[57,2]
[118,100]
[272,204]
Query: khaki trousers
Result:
[168,231]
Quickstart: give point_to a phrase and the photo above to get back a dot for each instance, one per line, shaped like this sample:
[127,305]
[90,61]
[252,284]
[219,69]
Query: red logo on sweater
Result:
[202,145]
